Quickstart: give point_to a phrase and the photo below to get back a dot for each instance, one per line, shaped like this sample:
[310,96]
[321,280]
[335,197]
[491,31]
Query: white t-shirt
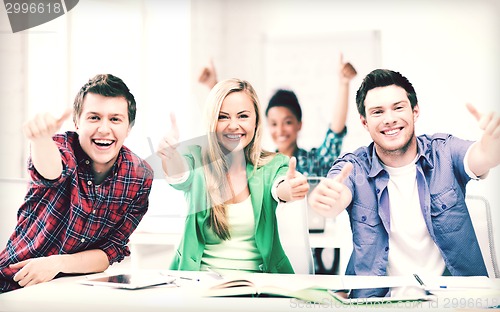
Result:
[411,248]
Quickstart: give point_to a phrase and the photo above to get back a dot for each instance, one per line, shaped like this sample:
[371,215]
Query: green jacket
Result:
[190,250]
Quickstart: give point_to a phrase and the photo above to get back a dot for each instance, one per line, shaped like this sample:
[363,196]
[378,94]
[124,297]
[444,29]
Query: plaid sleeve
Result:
[332,145]
[69,164]
[115,243]
[321,159]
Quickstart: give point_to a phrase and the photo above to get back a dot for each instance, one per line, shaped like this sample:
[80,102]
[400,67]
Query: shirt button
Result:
[89,182]
[443,206]
[363,218]
[378,191]
[386,248]
[93,211]
[82,240]
[87,162]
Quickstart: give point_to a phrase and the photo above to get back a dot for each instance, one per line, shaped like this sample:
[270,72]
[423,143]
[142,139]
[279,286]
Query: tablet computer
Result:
[130,281]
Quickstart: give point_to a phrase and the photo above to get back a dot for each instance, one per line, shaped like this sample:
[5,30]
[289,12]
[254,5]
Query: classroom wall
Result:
[448,48]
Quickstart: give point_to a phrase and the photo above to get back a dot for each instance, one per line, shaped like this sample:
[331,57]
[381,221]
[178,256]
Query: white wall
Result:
[144,42]
[12,98]
[448,48]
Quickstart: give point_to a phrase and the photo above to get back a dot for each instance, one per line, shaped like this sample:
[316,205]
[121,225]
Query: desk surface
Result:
[66,294]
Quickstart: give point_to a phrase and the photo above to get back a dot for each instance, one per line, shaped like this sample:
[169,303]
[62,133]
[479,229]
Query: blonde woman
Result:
[232,187]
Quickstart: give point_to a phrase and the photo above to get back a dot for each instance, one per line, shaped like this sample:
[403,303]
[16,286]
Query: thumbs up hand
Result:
[346,71]
[170,141]
[45,154]
[173,163]
[208,75]
[298,182]
[487,153]
[44,125]
[295,185]
[332,196]
[490,122]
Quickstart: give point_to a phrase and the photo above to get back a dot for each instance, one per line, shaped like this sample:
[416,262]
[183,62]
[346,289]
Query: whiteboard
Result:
[308,65]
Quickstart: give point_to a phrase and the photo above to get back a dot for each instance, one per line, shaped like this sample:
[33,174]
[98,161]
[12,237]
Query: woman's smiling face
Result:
[236,122]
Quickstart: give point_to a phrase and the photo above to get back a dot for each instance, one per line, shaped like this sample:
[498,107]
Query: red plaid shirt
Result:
[71,214]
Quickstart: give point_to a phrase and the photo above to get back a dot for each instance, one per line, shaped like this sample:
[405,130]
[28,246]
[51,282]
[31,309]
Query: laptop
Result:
[316,222]
[130,281]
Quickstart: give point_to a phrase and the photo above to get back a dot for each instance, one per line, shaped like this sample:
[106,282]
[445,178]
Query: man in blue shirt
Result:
[405,195]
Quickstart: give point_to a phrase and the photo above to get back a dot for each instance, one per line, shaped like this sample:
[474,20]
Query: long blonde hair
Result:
[214,159]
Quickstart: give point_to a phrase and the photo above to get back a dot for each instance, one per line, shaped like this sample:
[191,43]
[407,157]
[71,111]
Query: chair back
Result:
[479,210]
[294,235]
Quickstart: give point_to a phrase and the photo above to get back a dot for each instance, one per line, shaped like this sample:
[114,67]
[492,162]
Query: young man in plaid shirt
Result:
[87,192]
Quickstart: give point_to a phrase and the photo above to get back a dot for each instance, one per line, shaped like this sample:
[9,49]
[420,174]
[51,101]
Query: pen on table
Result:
[182,277]
[419,280]
[189,278]
[214,272]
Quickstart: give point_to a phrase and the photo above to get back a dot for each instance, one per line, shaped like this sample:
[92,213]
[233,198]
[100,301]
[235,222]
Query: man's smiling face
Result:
[103,126]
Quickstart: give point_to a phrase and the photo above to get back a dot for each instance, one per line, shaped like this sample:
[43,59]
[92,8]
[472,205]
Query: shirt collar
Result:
[83,159]
[423,149]
[376,166]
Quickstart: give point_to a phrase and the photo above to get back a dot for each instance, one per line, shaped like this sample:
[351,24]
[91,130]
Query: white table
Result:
[66,294]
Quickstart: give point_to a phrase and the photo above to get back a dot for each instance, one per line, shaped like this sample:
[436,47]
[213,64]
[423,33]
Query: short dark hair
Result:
[383,78]
[105,85]
[288,99]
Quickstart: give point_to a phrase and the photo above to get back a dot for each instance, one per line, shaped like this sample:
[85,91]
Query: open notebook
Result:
[316,288]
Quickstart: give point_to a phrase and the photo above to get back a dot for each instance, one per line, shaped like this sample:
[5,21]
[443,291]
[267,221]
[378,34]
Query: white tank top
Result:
[240,251]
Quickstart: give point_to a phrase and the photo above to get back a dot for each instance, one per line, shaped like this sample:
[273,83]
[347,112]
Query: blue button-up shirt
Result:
[441,180]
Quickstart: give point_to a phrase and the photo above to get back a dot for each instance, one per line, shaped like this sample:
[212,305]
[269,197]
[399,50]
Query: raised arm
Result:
[485,153]
[174,165]
[340,108]
[44,152]
[332,196]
